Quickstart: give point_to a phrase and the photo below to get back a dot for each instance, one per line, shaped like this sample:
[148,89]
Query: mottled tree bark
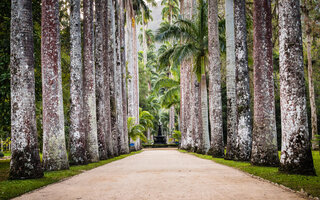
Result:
[133,79]
[197,128]
[124,133]
[182,95]
[231,82]
[204,114]
[89,85]
[296,154]
[129,60]
[118,79]
[107,82]
[215,102]
[244,132]
[112,53]
[314,120]
[188,107]
[264,138]
[103,127]
[54,146]
[77,154]
[25,159]
[307,5]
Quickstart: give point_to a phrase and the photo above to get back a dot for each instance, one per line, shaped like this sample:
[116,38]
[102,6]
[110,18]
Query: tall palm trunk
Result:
[77,154]
[197,128]
[182,96]
[112,62]
[204,109]
[231,82]
[264,139]
[309,38]
[244,132]
[89,85]
[314,121]
[54,146]
[124,133]
[103,108]
[215,102]
[118,79]
[133,80]
[296,154]
[25,159]
[144,39]
[188,106]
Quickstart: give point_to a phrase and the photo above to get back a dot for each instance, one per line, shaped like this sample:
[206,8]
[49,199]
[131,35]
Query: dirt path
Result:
[165,175]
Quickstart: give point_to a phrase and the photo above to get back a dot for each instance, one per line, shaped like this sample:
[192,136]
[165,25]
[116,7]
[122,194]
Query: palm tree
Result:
[194,45]
[89,84]
[103,105]
[77,135]
[310,28]
[296,156]
[215,102]
[25,160]
[135,131]
[54,147]
[145,119]
[244,132]
[264,139]
[171,10]
[231,82]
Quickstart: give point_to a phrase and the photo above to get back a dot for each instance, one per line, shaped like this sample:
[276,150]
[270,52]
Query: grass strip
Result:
[14,188]
[309,184]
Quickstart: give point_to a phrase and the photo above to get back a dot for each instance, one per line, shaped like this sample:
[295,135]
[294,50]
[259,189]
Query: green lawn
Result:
[13,188]
[310,184]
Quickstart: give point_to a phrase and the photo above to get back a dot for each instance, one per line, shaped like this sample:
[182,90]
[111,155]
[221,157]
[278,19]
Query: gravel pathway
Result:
[165,175]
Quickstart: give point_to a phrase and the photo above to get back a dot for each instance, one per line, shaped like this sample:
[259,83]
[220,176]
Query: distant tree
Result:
[310,15]
[171,10]
[25,159]
[194,45]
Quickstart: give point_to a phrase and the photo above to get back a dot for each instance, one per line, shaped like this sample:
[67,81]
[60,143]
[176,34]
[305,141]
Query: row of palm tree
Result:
[195,46]
[99,85]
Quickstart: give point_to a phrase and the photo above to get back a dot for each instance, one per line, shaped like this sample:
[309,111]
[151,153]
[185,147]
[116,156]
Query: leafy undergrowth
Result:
[309,184]
[13,188]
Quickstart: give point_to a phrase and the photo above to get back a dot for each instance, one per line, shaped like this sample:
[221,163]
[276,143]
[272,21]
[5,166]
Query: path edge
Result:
[301,193]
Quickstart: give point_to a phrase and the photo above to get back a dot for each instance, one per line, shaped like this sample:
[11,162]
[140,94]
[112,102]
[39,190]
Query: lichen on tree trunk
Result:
[77,152]
[25,159]
[230,82]
[244,132]
[264,138]
[103,106]
[89,85]
[54,146]
[124,134]
[296,156]
[111,68]
[215,102]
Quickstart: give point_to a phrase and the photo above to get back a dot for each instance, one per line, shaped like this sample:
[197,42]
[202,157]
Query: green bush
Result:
[1,154]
